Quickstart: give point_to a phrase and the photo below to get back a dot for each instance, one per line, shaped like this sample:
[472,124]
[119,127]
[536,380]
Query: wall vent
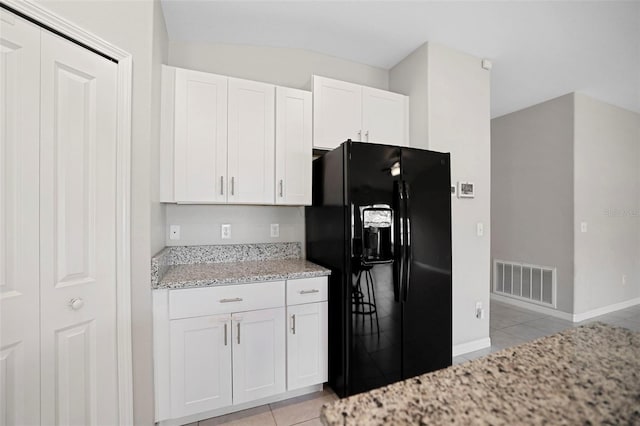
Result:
[531,283]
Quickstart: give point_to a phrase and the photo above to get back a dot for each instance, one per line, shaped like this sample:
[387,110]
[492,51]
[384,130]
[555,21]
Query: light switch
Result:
[275,230]
[480,229]
[583,226]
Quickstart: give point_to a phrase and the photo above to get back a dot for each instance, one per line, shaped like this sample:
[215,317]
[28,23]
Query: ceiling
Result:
[539,50]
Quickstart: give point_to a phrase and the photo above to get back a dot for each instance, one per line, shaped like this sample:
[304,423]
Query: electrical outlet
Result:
[624,279]
[174,232]
[479,310]
[275,230]
[225,231]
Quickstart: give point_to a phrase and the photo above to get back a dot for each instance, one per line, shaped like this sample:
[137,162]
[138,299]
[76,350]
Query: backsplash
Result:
[182,255]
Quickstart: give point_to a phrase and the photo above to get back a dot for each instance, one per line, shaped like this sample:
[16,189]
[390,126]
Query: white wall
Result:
[200,225]
[282,66]
[532,190]
[409,77]
[450,91]
[459,123]
[130,25]
[607,197]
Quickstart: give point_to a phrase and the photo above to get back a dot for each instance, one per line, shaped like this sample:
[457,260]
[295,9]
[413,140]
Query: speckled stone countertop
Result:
[204,266]
[584,375]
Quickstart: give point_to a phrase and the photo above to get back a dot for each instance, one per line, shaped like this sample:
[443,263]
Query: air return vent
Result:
[532,283]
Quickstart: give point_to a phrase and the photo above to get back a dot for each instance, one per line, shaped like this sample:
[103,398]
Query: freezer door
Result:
[374,297]
[426,294]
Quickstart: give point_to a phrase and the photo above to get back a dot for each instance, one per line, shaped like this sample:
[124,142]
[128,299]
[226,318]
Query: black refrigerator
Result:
[381,221]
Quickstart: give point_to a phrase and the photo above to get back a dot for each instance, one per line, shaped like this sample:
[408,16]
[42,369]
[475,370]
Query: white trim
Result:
[123,191]
[605,310]
[474,345]
[532,307]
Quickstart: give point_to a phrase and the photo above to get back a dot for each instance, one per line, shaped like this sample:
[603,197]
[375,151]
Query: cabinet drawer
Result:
[226,299]
[306,290]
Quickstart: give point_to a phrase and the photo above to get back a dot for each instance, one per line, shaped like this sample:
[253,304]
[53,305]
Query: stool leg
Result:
[373,292]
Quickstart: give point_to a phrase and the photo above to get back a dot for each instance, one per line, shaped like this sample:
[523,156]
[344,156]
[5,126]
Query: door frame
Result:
[123,189]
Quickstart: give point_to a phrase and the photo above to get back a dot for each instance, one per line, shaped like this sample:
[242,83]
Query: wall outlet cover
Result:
[275,230]
[225,231]
[174,232]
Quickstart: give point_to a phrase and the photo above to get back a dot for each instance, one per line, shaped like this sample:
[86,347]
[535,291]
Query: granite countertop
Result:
[211,274]
[584,375]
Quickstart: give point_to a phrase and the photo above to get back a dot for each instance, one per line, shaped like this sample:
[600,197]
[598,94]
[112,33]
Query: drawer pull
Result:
[235,299]
[238,333]
[293,324]
[309,291]
[225,334]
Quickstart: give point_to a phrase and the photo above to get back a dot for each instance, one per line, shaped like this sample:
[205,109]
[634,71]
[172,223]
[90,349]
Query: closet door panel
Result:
[19,303]
[77,235]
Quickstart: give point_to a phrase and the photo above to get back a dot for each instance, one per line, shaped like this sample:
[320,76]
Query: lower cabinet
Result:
[259,361]
[307,345]
[217,348]
[200,364]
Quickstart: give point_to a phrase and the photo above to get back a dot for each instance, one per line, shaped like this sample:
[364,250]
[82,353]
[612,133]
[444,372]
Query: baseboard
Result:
[532,307]
[606,310]
[472,346]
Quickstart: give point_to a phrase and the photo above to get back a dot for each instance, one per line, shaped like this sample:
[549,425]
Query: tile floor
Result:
[510,326]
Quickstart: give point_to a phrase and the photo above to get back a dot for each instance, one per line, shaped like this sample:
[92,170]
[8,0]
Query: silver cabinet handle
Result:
[76,303]
[359,134]
[235,299]
[233,185]
[238,324]
[225,334]
[366,135]
[281,188]
[221,185]
[309,291]
[293,324]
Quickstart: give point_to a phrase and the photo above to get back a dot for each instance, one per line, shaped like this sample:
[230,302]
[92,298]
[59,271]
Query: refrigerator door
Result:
[426,293]
[375,305]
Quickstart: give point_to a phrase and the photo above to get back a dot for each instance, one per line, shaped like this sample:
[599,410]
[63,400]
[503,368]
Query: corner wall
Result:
[532,190]
[607,198]
[449,94]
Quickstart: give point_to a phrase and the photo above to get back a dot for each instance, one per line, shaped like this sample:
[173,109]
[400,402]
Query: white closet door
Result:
[19,299]
[77,234]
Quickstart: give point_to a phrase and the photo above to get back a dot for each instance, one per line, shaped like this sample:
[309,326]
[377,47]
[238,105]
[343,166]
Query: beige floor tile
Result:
[300,409]
[258,416]
[312,422]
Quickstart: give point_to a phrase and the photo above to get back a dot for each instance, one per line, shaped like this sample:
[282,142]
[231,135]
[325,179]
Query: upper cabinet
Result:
[251,147]
[220,144]
[344,111]
[293,146]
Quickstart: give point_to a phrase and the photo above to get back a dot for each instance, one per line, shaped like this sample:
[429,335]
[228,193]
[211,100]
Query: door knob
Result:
[76,303]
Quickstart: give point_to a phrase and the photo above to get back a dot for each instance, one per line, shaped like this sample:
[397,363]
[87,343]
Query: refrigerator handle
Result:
[407,246]
[398,241]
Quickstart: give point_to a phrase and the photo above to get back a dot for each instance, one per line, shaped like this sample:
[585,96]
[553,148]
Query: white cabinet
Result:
[293,146]
[344,111]
[258,354]
[307,336]
[307,345]
[199,135]
[200,364]
[217,139]
[251,147]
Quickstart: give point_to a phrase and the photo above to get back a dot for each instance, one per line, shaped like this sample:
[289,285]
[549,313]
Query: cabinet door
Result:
[19,236]
[293,146]
[251,142]
[258,354]
[337,112]
[200,364]
[385,117]
[307,345]
[200,136]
